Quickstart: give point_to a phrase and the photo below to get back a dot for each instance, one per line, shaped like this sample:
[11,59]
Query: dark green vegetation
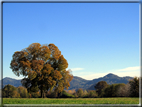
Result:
[118,90]
[71,101]
[102,90]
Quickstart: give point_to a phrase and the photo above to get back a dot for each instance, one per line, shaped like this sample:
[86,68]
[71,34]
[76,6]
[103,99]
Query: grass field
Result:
[71,101]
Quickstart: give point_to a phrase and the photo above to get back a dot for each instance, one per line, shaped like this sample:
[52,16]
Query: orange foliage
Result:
[57,75]
[54,51]
[47,69]
[37,65]
[71,91]
[44,67]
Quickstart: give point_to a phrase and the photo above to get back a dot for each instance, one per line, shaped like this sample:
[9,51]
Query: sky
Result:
[95,38]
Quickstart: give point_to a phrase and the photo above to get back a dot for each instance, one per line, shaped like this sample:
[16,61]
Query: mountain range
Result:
[78,82]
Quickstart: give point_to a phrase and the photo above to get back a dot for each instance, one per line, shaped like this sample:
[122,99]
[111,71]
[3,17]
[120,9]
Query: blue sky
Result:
[95,38]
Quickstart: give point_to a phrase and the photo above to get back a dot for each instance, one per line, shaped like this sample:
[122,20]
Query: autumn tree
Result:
[23,92]
[43,68]
[10,91]
[80,92]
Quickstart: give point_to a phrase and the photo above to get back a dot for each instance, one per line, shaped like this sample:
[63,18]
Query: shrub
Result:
[51,94]
[66,95]
[23,92]
[80,93]
[92,94]
[35,94]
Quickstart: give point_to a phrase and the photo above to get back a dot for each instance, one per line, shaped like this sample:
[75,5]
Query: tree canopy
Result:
[43,68]
[134,87]
[9,91]
[100,86]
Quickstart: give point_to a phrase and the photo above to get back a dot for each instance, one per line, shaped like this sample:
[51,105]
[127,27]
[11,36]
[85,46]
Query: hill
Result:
[110,79]
[11,81]
[79,82]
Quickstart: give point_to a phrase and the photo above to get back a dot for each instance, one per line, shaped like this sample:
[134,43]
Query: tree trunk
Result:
[42,94]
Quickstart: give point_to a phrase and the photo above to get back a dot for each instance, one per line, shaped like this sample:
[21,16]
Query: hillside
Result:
[110,79]
[79,82]
[11,81]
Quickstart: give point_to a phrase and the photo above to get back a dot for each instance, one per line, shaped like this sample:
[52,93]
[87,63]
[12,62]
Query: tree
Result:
[23,92]
[113,90]
[134,87]
[10,91]
[92,94]
[100,86]
[123,90]
[80,92]
[43,68]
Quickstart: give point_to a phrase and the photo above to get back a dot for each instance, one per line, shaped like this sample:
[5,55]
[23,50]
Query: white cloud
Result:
[77,69]
[128,73]
[130,69]
[93,76]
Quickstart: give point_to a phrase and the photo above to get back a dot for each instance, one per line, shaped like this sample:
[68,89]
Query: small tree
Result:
[92,94]
[10,91]
[80,92]
[85,93]
[100,86]
[124,91]
[23,92]
[134,87]
[43,67]
[112,90]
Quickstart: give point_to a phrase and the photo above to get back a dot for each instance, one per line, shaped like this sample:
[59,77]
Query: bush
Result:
[91,94]
[63,94]
[23,92]
[35,94]
[51,94]
[80,93]
[66,95]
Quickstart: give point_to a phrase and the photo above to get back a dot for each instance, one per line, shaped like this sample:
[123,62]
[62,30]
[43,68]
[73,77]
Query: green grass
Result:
[71,101]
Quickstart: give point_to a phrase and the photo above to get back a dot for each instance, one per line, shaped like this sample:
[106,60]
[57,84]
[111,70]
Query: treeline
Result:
[102,90]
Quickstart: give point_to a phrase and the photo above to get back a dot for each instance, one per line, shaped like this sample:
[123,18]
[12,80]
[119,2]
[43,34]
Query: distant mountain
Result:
[78,82]
[11,81]
[110,79]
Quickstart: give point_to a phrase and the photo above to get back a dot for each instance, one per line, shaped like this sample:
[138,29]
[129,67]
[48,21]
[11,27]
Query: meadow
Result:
[115,100]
